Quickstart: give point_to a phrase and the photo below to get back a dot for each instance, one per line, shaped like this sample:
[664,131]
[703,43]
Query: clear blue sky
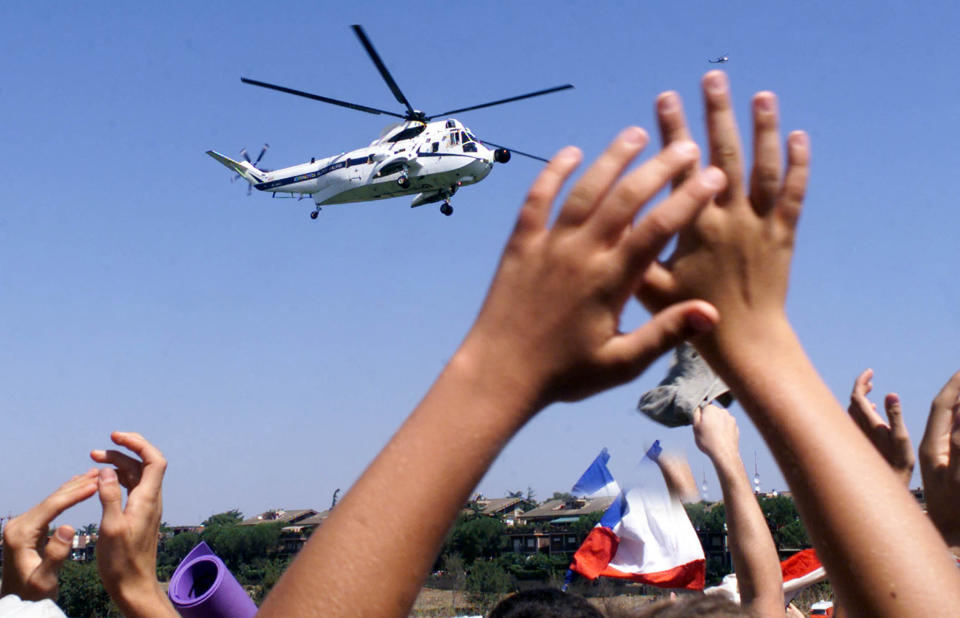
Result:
[270,356]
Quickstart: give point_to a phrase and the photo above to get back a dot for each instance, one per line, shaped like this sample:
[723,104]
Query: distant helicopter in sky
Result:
[418,156]
[719,59]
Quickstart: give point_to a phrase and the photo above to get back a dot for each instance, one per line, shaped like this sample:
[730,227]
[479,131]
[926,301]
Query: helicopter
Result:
[719,59]
[418,156]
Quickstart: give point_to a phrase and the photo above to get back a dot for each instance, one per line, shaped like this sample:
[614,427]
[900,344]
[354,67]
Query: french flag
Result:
[800,571]
[644,536]
[597,482]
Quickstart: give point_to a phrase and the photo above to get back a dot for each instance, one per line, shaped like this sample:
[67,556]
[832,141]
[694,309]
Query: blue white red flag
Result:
[644,536]
[596,481]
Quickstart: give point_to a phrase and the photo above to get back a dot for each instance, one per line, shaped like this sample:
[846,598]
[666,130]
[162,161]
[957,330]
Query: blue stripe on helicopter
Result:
[272,185]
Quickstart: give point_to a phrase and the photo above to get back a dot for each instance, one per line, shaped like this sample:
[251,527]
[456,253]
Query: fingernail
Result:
[799,138]
[568,152]
[699,323]
[667,103]
[716,82]
[765,102]
[713,178]
[685,148]
[634,135]
[65,534]
[108,475]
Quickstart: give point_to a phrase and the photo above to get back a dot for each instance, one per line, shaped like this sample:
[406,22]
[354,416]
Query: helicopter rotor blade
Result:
[243,153]
[514,151]
[317,97]
[394,88]
[502,101]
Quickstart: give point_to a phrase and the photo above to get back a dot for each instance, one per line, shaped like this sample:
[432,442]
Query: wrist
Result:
[145,600]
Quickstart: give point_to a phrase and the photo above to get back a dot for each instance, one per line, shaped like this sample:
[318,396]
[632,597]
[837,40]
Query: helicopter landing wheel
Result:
[404,182]
[446,208]
[314,214]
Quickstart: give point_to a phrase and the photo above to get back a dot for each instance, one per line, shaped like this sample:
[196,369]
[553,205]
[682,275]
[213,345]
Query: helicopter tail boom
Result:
[246,170]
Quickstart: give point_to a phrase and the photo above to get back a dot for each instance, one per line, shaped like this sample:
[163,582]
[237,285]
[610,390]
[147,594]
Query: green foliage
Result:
[82,593]
[541,567]
[486,581]
[454,568]
[263,573]
[475,537]
[566,496]
[784,522]
[172,551]
[233,516]
[240,545]
[707,517]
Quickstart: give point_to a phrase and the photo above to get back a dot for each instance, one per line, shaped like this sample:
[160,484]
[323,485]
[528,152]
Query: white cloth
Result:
[12,606]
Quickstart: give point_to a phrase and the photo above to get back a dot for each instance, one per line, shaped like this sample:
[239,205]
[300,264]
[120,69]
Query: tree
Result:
[566,496]
[90,529]
[239,545]
[485,582]
[172,551]
[81,591]
[233,516]
[475,536]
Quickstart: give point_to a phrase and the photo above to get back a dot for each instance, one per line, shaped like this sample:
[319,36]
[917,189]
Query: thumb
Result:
[110,497]
[664,331]
[954,465]
[55,552]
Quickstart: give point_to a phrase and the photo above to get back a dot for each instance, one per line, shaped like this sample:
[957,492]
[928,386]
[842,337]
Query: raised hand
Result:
[31,559]
[556,300]
[892,440]
[127,544]
[939,456]
[737,253]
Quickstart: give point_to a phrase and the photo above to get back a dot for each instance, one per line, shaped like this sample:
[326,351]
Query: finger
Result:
[657,227]
[633,352]
[634,190]
[898,429]
[953,467]
[864,413]
[862,384]
[767,167]
[154,464]
[725,151]
[74,491]
[673,128]
[790,202]
[536,208]
[597,180]
[658,287]
[128,468]
[111,498]
[55,553]
[939,423]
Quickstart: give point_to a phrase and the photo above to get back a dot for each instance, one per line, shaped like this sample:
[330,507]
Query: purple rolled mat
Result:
[203,587]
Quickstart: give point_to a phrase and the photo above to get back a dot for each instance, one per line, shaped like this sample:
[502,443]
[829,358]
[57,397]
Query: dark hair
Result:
[544,602]
[695,605]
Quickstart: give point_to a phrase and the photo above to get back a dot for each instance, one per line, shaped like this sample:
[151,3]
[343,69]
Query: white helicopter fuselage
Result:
[428,159]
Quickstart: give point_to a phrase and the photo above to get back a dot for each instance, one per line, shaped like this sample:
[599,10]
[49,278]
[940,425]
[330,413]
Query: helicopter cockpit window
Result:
[451,124]
[408,133]
[465,136]
[454,138]
[469,147]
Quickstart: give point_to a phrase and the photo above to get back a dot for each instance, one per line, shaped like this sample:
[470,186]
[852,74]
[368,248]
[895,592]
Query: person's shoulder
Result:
[12,606]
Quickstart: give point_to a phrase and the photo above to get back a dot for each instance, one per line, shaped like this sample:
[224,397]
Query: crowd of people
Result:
[549,331]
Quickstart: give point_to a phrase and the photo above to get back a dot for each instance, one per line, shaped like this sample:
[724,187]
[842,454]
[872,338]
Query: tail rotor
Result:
[246,157]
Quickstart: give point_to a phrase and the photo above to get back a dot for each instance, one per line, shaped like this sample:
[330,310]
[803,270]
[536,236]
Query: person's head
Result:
[544,602]
[714,606]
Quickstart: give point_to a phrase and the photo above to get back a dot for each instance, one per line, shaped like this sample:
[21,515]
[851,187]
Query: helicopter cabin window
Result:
[436,146]
[451,124]
[390,168]
[408,133]
[454,138]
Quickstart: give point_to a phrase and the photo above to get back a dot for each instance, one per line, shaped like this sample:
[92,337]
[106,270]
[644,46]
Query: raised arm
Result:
[127,545]
[752,549]
[891,439]
[31,559]
[548,331]
[881,553]
[940,463]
